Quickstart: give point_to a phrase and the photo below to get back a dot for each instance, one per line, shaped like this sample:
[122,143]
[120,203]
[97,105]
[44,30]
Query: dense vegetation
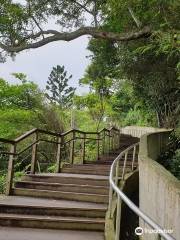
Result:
[133,76]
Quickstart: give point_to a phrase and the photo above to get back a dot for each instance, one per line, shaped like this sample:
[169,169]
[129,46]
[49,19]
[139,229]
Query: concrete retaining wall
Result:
[159,189]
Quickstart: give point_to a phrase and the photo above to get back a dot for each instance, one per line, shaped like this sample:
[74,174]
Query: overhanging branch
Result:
[69,36]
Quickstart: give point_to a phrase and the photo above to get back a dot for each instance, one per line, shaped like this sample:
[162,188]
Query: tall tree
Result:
[58,91]
[151,65]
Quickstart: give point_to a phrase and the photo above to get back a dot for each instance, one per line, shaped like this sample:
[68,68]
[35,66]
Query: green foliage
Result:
[52,168]
[150,66]
[170,159]
[18,107]
[175,164]
[155,82]
[21,76]
[53,118]
[14,122]
[85,121]
[58,91]
[2,183]
[24,96]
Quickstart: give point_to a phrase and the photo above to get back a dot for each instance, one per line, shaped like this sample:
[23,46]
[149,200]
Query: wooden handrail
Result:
[68,132]
[36,130]
[3,140]
[29,133]
[60,143]
[25,135]
[48,132]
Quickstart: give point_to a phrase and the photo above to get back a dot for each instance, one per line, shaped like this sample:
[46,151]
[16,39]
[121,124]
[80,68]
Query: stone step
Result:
[89,171]
[52,222]
[15,233]
[130,157]
[62,187]
[63,178]
[76,196]
[85,171]
[108,162]
[89,166]
[52,211]
[112,158]
[51,207]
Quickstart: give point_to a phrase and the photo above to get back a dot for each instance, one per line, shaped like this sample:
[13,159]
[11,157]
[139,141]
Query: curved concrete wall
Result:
[137,131]
[159,189]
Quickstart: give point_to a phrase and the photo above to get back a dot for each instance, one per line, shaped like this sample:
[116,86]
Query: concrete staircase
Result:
[74,200]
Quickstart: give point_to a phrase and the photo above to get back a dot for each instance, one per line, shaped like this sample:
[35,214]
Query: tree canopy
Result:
[24,26]
[133,41]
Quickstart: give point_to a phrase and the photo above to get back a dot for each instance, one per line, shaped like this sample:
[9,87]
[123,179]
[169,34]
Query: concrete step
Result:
[88,166]
[14,233]
[63,187]
[107,161]
[52,222]
[63,178]
[89,171]
[85,171]
[52,211]
[51,207]
[112,157]
[76,196]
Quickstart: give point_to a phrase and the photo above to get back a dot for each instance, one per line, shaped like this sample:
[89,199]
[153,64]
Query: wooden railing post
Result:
[58,156]
[103,142]
[118,218]
[112,141]
[134,156]
[72,147]
[98,145]
[10,170]
[117,173]
[34,154]
[109,142]
[119,139]
[110,215]
[124,165]
[84,148]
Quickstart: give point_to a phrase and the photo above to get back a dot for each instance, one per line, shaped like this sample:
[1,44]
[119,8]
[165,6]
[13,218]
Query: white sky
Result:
[38,63]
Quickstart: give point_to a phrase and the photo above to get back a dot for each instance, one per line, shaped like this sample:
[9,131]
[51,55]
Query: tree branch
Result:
[95,14]
[82,6]
[69,36]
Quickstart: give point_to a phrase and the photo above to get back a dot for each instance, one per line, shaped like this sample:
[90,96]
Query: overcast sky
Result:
[38,63]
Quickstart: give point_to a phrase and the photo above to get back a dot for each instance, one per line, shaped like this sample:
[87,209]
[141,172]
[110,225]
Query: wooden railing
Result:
[104,141]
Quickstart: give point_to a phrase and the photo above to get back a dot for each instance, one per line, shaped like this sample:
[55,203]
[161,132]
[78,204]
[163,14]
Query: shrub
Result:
[175,164]
[2,183]
[170,159]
